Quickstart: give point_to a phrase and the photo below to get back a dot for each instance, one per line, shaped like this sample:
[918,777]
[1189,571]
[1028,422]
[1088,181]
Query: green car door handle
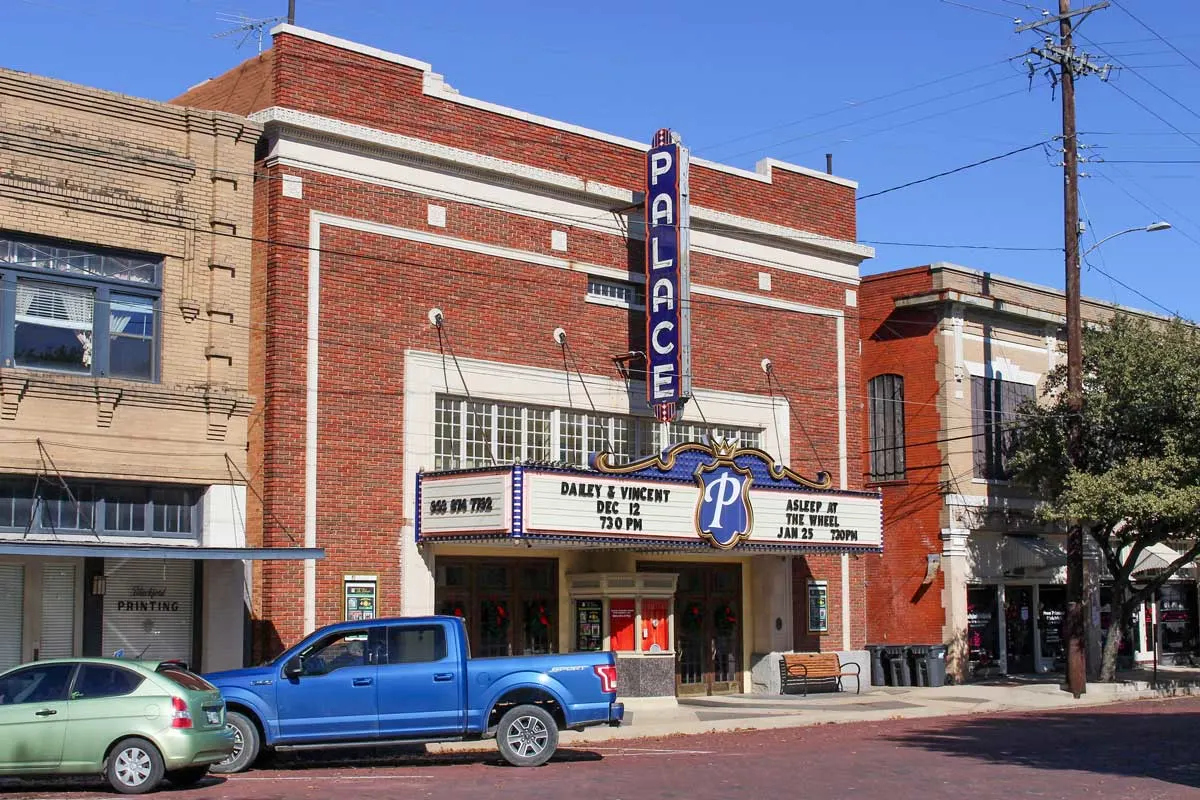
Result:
[46,712]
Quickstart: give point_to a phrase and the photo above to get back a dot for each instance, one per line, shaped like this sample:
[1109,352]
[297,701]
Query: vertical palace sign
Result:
[692,495]
[668,315]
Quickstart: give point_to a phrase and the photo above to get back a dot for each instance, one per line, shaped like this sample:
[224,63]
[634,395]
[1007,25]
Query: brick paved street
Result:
[1144,750]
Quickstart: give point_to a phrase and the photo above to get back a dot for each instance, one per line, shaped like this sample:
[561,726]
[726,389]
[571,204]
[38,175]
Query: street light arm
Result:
[1154,226]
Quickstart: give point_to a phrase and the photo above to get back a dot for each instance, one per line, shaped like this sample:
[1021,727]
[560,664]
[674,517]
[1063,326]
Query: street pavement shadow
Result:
[400,756]
[1151,745]
[89,784]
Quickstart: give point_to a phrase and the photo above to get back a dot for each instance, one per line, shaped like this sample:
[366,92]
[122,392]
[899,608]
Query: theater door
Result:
[708,627]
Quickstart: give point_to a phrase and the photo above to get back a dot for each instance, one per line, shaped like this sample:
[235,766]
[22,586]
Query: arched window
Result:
[885,398]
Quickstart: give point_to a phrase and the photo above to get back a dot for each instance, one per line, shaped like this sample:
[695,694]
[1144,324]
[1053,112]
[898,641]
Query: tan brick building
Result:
[124,333]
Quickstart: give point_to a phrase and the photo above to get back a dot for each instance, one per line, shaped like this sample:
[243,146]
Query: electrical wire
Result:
[1156,34]
[963,168]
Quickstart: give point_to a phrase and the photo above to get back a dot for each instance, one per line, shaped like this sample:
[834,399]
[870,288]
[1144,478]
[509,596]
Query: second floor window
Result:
[86,312]
[115,509]
[885,404]
[996,423]
[470,433]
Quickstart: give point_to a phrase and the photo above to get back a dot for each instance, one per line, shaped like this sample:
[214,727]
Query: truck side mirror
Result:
[294,668]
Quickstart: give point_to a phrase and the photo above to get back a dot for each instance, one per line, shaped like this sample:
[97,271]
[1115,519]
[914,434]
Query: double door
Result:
[708,627]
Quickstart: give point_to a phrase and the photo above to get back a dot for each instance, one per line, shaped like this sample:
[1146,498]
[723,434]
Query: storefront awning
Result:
[1023,552]
[1157,557]
[98,550]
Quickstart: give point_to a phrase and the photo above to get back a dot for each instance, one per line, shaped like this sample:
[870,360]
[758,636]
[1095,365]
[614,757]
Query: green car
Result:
[134,722]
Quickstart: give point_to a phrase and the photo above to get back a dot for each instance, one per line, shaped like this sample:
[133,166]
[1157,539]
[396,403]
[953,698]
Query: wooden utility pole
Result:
[1070,64]
[1076,618]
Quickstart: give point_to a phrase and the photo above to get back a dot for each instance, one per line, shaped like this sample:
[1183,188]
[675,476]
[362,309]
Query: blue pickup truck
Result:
[412,680]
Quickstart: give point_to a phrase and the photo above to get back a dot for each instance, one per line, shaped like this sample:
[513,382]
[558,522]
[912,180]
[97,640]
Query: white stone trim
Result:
[843,452]
[845,600]
[497,251]
[1008,370]
[311,398]
[373,138]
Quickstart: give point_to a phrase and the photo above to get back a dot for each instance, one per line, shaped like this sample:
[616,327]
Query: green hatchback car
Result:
[134,722]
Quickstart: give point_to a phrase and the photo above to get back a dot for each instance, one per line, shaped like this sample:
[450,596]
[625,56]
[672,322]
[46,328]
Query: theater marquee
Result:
[692,495]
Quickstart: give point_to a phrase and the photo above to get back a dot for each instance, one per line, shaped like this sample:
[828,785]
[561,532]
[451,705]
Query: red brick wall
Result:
[332,82]
[904,342]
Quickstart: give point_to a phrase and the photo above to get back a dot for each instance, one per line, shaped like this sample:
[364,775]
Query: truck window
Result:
[346,649]
[416,644]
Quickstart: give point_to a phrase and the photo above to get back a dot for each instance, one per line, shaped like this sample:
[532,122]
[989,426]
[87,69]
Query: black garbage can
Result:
[878,676]
[897,663]
[936,659]
[918,656]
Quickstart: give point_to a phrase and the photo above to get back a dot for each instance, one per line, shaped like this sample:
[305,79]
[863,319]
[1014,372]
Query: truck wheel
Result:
[527,736]
[246,745]
[134,767]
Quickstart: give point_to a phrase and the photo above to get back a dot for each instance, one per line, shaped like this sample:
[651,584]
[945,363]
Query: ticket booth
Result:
[633,615]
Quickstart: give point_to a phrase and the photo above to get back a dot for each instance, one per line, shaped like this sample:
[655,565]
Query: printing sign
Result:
[668,323]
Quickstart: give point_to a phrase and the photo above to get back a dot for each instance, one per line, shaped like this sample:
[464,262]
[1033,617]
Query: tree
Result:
[1138,481]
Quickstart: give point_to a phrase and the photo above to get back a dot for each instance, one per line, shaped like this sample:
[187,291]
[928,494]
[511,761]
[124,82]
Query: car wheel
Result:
[246,745]
[527,736]
[134,767]
[188,776]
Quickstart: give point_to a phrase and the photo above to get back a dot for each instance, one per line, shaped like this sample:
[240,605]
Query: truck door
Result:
[335,696]
[421,689]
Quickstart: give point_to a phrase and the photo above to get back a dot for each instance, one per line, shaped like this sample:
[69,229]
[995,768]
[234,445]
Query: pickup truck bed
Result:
[406,680]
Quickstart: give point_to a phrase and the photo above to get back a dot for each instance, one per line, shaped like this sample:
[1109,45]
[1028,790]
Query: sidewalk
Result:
[665,717]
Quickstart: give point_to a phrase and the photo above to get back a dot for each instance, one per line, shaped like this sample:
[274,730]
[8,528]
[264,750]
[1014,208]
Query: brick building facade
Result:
[387,201]
[949,356]
[124,334]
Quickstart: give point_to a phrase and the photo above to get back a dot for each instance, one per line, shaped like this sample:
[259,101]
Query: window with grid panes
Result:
[465,430]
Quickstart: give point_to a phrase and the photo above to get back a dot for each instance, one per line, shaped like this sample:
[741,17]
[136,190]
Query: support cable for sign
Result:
[231,464]
[57,481]
[438,320]
[770,370]
[560,336]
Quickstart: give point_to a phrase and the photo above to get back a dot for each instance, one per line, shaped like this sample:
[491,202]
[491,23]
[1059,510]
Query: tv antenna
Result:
[247,26]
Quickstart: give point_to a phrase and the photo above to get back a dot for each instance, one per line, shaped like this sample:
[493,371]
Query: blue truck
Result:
[412,680]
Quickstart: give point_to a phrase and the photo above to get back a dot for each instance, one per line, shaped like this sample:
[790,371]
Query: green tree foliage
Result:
[1138,482]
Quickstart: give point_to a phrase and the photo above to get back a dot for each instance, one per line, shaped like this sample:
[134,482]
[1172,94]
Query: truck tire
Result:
[247,744]
[527,736]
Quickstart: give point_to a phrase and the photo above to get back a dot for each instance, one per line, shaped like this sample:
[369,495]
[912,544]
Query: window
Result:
[885,409]
[416,644]
[78,311]
[185,678]
[995,422]
[467,432]
[96,681]
[622,294]
[347,649]
[44,684]
[105,508]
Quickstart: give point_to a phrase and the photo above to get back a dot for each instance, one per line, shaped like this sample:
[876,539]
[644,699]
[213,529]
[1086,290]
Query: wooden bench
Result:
[801,669]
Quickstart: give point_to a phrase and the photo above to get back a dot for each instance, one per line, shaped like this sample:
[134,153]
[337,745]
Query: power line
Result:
[1156,34]
[848,106]
[976,8]
[956,170]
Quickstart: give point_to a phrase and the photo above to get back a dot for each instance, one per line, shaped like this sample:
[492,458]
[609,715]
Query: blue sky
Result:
[896,89]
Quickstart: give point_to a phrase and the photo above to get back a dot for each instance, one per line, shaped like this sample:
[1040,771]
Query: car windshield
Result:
[186,679]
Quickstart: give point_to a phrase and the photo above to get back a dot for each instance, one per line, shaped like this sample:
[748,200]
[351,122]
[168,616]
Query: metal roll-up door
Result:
[12,613]
[58,611]
[148,608]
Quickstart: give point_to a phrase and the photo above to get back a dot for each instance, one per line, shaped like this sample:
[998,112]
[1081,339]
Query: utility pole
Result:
[1071,64]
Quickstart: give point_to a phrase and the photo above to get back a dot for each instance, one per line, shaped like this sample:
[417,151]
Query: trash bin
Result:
[878,676]
[936,658]
[919,656]
[897,662]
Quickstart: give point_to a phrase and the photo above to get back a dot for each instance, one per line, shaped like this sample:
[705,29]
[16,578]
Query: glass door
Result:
[1018,628]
